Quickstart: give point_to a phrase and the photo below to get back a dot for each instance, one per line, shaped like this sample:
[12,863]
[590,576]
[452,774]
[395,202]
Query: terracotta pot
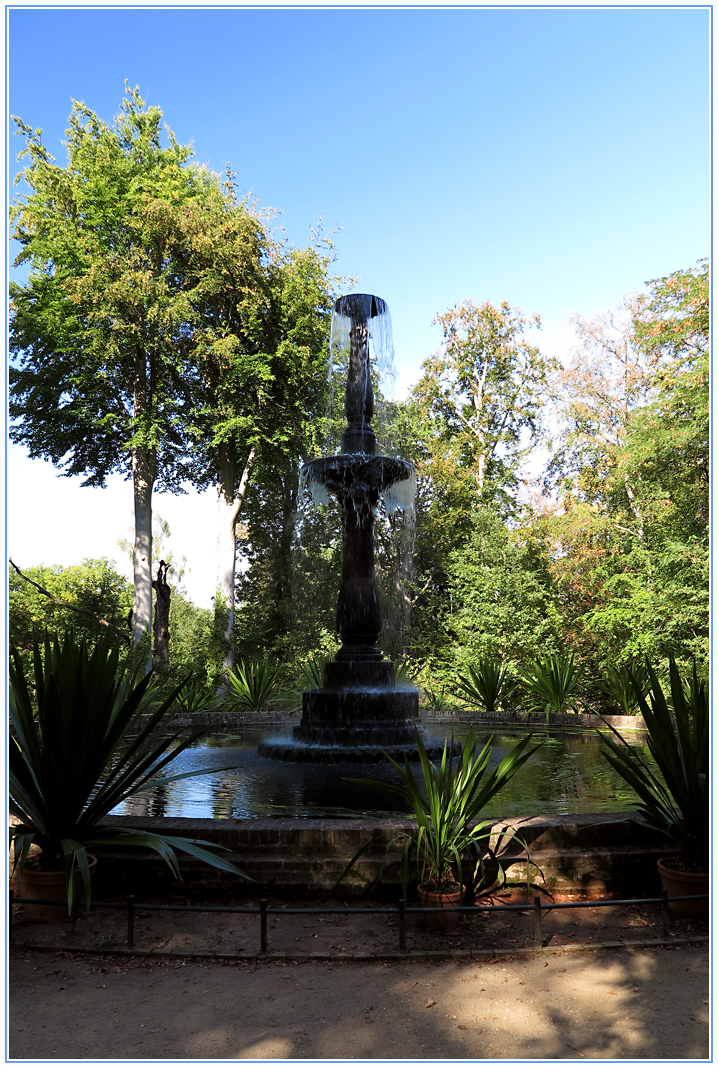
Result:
[433,899]
[683,884]
[49,886]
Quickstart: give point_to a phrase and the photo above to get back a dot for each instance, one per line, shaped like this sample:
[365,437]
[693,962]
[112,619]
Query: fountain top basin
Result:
[348,471]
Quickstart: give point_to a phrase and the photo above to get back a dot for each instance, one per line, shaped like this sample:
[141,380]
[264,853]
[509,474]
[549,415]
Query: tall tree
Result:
[264,371]
[482,395]
[101,331]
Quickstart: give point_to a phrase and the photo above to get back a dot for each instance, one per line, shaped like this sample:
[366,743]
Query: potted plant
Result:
[677,803]
[448,819]
[87,745]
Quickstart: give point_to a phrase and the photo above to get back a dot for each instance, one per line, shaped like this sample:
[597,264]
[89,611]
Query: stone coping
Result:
[580,720]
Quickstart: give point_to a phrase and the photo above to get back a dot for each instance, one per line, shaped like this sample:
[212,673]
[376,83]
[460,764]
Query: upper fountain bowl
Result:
[348,474]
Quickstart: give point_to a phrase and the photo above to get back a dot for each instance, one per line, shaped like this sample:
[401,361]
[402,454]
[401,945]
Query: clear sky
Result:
[554,158]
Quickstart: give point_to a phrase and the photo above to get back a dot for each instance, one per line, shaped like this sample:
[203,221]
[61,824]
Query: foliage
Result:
[313,671]
[501,602]
[619,685]
[678,807]
[482,395]
[550,684]
[448,819]
[487,684]
[94,586]
[82,751]
[437,699]
[252,684]
[405,672]
[194,698]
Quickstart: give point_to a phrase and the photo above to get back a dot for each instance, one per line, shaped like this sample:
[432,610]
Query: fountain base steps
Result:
[354,722]
[598,852]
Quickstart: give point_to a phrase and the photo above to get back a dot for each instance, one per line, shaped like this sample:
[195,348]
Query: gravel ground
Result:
[621,1004]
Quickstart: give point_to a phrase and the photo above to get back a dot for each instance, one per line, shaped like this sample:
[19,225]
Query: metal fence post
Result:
[664,914]
[130,921]
[537,917]
[263,925]
[402,925]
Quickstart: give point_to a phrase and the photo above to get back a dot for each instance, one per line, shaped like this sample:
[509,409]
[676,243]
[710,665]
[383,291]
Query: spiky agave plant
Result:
[618,684]
[679,806]
[550,684]
[252,684]
[449,818]
[83,750]
[486,684]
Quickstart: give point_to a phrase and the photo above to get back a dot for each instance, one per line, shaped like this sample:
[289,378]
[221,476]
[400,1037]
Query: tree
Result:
[631,551]
[264,368]
[482,396]
[94,587]
[102,331]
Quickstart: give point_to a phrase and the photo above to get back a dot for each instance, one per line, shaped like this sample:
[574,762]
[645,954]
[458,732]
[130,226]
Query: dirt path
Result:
[650,1004]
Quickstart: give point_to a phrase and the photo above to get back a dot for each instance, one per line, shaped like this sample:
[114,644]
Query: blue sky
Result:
[552,158]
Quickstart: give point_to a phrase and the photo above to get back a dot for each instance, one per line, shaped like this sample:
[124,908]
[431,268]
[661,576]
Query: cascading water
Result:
[359,710]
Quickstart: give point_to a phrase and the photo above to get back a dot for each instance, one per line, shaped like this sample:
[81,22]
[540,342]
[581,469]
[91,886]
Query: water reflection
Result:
[566,775]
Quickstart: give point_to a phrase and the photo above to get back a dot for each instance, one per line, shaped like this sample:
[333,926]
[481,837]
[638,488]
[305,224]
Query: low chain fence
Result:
[400,911]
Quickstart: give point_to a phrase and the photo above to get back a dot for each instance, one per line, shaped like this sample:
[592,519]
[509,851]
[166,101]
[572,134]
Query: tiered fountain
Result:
[359,711]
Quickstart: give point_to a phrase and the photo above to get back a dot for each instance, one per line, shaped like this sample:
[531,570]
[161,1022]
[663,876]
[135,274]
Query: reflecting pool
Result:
[566,775]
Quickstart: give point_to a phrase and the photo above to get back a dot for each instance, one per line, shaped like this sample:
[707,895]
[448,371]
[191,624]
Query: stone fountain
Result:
[359,710]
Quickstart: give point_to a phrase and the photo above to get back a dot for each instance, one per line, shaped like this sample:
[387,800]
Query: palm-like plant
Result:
[550,684]
[618,685]
[313,671]
[404,672]
[252,684]
[448,818]
[679,806]
[436,698]
[486,684]
[82,752]
[194,698]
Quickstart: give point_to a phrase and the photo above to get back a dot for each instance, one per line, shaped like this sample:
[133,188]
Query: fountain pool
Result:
[567,775]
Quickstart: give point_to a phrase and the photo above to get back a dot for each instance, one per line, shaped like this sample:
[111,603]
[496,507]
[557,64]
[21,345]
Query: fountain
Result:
[359,711]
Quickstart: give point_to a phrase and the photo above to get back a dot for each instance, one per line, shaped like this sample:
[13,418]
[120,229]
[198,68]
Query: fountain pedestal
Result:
[360,710]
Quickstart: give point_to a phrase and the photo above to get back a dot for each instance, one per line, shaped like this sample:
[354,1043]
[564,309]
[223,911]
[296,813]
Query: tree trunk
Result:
[144,469]
[161,651]
[229,506]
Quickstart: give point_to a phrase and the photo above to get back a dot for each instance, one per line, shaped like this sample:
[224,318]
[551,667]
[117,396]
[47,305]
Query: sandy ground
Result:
[615,1004]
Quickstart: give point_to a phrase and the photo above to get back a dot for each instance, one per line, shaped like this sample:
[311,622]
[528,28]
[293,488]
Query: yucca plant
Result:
[313,671]
[487,684]
[252,684]
[404,672]
[550,684]
[194,698]
[618,685]
[448,818]
[82,751]
[436,699]
[678,807]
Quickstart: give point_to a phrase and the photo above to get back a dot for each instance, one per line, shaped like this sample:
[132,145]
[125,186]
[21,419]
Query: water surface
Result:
[566,775]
